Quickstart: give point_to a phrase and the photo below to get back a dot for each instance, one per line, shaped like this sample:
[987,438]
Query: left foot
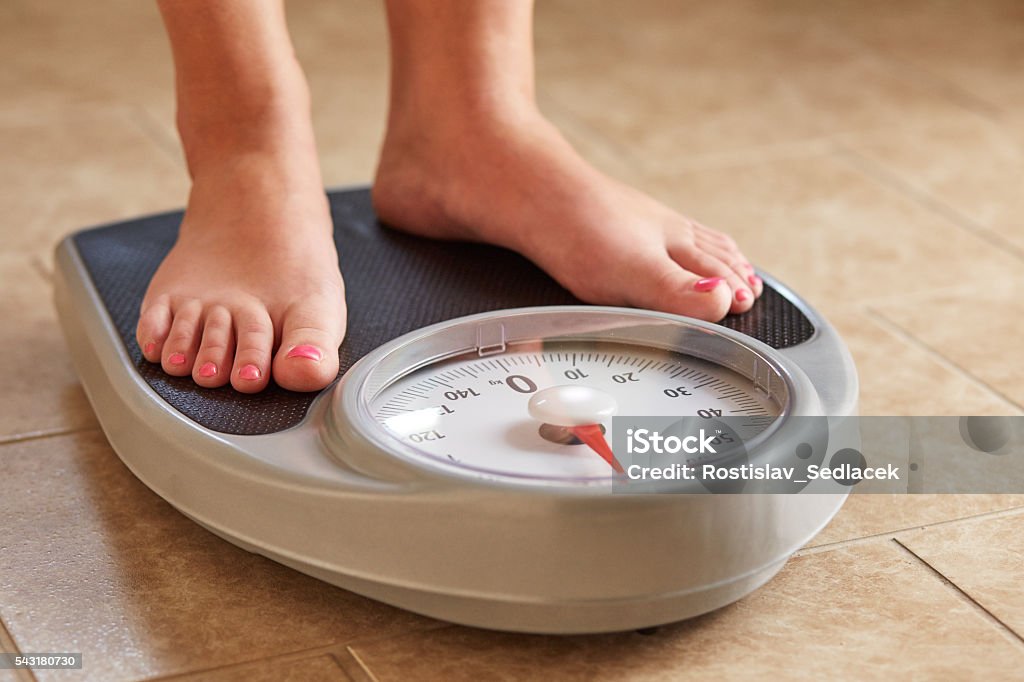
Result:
[522,186]
[251,289]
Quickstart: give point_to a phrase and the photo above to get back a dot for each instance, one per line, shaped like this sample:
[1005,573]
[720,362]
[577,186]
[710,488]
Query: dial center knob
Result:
[572,405]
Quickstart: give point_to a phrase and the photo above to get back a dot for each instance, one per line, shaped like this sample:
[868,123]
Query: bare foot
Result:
[251,288]
[519,184]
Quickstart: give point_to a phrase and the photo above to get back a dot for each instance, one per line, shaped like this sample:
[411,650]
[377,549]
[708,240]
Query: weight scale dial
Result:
[527,396]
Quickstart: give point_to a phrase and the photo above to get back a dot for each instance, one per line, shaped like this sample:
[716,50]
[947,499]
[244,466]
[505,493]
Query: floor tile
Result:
[316,669]
[931,158]
[978,329]
[984,558]
[349,112]
[341,44]
[832,233]
[80,53]
[867,515]
[672,81]
[96,562]
[898,378]
[343,47]
[869,154]
[41,392]
[7,646]
[866,612]
[79,167]
[13,676]
[976,48]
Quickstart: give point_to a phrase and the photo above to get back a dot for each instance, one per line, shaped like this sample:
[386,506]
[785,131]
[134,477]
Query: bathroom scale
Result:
[460,467]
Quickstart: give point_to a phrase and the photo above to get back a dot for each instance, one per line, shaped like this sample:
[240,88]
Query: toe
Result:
[696,259]
[744,272]
[212,367]
[667,287]
[179,350]
[724,247]
[154,325]
[254,339]
[307,359]
[753,279]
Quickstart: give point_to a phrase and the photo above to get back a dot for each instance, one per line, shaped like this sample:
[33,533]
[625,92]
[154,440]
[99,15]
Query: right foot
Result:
[251,289]
[516,182]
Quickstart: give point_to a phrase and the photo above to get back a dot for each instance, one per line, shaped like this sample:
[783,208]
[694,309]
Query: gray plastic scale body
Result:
[322,483]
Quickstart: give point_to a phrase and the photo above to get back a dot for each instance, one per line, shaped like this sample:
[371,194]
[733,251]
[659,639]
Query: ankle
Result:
[416,121]
[270,118]
[432,172]
[258,191]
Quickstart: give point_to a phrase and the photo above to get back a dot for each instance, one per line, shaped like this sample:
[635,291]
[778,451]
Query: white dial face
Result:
[517,413]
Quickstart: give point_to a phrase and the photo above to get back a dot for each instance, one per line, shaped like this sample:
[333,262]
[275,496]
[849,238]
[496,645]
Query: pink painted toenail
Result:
[176,358]
[250,372]
[208,370]
[707,284]
[742,295]
[149,348]
[754,280]
[308,352]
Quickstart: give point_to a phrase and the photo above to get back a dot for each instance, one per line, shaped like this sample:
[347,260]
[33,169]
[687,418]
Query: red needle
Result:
[591,435]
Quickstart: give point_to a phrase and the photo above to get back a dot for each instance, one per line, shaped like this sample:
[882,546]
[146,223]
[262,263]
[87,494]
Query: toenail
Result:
[754,280]
[748,266]
[308,352]
[742,295]
[707,284]
[176,358]
[208,370]
[149,348]
[250,372]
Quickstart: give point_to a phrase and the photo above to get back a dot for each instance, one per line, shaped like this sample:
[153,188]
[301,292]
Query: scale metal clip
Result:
[762,377]
[490,339]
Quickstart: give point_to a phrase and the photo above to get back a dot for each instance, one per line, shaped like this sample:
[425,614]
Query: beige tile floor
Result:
[871,154]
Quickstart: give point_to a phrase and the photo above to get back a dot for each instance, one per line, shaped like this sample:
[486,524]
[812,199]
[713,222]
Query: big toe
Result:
[307,359]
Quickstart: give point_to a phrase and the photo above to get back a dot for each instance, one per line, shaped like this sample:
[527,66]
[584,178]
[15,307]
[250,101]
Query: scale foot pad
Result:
[395,283]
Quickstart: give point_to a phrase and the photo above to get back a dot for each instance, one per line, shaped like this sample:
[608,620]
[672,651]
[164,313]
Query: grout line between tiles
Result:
[1007,631]
[36,263]
[331,650]
[289,657]
[623,151]
[348,650]
[40,435]
[365,669]
[841,544]
[906,336]
[865,303]
[818,144]
[809,147]
[892,180]
[8,645]
[346,673]
[154,131]
[435,625]
[957,95]
[890,534]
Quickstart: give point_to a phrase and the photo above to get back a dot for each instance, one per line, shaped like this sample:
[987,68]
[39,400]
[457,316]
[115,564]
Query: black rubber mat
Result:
[395,283]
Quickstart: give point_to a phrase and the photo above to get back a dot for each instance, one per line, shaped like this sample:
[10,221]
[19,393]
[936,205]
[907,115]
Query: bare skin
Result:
[254,274]
[252,287]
